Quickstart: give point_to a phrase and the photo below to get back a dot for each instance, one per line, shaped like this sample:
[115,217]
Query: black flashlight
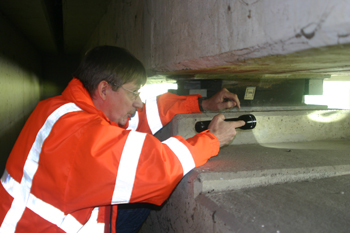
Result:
[249,119]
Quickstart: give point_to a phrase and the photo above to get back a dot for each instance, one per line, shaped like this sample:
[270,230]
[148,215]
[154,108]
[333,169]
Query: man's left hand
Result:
[221,100]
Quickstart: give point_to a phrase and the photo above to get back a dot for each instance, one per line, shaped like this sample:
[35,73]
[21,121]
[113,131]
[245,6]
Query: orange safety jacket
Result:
[70,163]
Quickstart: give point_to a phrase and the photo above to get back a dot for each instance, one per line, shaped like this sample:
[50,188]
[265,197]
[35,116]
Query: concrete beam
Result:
[193,35]
[229,38]
[276,125]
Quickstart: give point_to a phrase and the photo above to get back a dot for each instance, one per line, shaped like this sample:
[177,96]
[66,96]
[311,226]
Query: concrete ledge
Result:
[219,182]
[287,187]
[318,206]
[247,166]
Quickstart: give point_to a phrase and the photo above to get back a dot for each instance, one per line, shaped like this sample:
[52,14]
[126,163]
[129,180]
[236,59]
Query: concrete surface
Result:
[283,187]
[319,206]
[272,126]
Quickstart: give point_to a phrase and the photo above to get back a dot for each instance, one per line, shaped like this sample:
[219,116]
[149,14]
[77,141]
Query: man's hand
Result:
[225,131]
[221,100]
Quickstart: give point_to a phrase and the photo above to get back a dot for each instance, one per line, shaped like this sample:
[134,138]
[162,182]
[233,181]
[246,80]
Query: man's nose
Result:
[138,103]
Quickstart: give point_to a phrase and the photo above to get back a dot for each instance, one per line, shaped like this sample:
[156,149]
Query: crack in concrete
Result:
[310,29]
[249,2]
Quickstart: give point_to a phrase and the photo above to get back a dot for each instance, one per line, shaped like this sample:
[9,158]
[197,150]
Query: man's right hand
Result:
[225,131]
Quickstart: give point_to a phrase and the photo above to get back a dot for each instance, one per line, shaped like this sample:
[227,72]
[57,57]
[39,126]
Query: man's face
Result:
[122,104]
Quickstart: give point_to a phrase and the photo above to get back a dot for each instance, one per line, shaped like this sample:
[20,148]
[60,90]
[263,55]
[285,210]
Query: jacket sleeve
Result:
[158,111]
[129,166]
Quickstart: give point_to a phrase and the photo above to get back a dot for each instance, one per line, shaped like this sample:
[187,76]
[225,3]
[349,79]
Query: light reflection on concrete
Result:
[326,117]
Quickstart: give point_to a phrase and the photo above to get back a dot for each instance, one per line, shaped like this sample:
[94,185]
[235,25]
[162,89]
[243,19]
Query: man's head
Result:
[112,76]
[112,64]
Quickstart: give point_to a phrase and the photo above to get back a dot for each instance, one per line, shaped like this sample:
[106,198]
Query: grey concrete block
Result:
[277,187]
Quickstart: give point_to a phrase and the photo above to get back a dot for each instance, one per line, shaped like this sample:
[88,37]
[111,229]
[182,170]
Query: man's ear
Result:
[102,89]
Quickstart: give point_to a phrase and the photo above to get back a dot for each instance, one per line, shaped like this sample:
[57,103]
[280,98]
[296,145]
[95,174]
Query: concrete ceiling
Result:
[64,26]
[55,26]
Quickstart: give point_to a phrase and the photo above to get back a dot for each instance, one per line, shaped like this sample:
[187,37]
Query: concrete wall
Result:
[121,25]
[20,68]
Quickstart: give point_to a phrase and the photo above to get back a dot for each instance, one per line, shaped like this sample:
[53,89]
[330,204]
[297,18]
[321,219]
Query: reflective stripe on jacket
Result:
[70,163]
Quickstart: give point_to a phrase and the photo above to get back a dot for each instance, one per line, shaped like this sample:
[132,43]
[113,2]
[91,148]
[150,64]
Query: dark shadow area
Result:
[7,141]
[57,72]
[16,49]
[18,55]
[55,19]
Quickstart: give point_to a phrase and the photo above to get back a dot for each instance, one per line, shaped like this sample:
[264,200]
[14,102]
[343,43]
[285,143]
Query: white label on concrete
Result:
[316,87]
[249,93]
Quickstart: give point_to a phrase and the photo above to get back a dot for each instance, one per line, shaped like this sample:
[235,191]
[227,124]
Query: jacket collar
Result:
[75,92]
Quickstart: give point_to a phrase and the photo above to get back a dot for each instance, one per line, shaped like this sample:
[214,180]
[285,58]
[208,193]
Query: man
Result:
[78,154]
